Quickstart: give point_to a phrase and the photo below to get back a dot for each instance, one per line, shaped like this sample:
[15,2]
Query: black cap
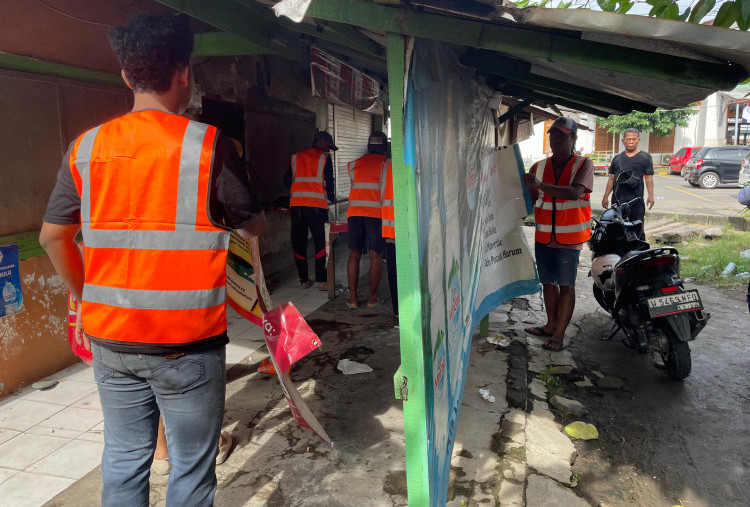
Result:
[322,135]
[564,124]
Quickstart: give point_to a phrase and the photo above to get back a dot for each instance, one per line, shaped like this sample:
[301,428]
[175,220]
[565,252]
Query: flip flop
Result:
[552,345]
[351,306]
[375,305]
[305,285]
[538,331]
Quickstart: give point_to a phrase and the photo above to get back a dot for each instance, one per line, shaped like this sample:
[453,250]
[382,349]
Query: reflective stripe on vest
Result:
[568,220]
[307,189]
[388,210]
[368,177]
[155,266]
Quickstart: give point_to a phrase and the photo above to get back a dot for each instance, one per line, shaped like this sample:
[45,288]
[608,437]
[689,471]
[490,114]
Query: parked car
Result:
[745,170]
[712,166]
[680,158]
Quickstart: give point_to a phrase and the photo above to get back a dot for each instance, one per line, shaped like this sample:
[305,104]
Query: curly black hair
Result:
[150,47]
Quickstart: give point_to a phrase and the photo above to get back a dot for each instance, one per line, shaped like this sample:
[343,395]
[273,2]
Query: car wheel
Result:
[709,180]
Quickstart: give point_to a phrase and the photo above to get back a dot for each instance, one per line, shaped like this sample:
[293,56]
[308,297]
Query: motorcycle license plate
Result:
[670,304]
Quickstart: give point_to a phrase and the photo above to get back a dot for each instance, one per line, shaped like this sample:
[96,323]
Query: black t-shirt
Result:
[232,204]
[641,165]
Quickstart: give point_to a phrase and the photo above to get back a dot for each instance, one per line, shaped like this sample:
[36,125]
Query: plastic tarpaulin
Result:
[473,255]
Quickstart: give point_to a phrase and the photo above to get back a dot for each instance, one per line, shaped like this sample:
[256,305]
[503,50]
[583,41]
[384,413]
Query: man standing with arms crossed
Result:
[642,167]
[561,186]
[155,195]
[310,177]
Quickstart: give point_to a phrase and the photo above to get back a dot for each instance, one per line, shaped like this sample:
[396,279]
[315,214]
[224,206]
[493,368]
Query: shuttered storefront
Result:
[350,129]
[604,141]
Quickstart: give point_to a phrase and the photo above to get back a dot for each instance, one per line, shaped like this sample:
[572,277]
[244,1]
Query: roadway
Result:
[674,194]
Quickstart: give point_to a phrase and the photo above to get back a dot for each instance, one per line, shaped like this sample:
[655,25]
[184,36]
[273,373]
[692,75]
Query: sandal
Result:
[376,304]
[538,331]
[351,306]
[553,345]
[306,284]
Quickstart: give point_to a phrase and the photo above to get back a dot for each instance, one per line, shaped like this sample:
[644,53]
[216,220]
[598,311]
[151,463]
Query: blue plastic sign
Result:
[10,281]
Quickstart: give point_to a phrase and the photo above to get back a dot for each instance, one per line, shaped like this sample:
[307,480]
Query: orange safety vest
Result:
[307,179]
[569,221]
[155,265]
[388,211]
[366,194]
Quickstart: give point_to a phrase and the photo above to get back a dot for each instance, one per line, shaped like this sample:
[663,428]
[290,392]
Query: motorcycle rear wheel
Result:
[678,363]
[601,298]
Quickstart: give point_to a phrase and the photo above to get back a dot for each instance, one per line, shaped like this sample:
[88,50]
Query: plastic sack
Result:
[289,339]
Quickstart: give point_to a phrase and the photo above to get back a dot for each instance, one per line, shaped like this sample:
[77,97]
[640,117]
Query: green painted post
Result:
[484,326]
[409,295]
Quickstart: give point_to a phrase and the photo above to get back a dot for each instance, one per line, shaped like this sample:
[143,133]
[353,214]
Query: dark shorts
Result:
[556,265]
[366,231]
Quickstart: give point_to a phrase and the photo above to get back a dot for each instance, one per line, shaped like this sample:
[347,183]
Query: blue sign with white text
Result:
[10,281]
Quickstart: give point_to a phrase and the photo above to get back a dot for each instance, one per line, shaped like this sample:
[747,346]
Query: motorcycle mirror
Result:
[624,176]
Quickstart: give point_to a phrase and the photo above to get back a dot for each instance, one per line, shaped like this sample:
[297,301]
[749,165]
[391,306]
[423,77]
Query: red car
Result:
[679,159]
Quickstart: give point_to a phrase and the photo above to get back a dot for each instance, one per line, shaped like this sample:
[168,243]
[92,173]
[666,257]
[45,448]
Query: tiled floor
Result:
[49,439]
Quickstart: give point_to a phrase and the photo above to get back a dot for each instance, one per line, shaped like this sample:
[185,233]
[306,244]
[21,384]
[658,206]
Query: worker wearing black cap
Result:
[311,180]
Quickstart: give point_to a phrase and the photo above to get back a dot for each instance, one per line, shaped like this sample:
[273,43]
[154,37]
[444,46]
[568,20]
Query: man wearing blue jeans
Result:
[155,195]
[561,186]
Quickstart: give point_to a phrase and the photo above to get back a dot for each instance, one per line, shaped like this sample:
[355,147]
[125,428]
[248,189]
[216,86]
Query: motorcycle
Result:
[642,289]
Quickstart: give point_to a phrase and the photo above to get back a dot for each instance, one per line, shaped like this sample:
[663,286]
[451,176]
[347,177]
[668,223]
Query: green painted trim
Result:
[27,64]
[513,71]
[246,23]
[409,290]
[523,42]
[225,44]
[28,244]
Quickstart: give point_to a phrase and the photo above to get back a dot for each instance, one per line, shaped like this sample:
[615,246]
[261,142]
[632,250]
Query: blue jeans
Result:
[557,266]
[189,392]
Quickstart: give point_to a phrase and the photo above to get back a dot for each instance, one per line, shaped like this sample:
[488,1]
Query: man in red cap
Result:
[561,186]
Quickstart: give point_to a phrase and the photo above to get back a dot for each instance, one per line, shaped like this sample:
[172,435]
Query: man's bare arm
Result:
[608,190]
[59,243]
[255,228]
[650,189]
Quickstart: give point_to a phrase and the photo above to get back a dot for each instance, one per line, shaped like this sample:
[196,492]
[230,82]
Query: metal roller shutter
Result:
[350,129]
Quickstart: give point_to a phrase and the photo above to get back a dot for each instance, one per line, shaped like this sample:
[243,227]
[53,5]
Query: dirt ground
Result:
[664,442]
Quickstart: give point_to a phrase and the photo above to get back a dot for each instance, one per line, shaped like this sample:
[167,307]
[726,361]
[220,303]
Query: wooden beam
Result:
[225,44]
[510,113]
[530,43]
[518,71]
[518,91]
[27,64]
[236,19]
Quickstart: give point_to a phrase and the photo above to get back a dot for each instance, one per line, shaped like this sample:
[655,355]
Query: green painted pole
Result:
[484,326]
[409,294]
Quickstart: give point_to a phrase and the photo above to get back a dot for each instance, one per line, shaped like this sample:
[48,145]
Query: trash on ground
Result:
[728,270]
[266,366]
[745,254]
[582,430]
[498,339]
[743,275]
[706,268]
[45,384]
[349,367]
[485,393]
[689,279]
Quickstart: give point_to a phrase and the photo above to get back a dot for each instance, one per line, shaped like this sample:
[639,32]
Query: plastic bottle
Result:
[728,270]
[745,254]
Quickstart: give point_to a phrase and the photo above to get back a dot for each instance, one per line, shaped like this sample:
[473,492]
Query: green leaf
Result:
[625,7]
[544,3]
[743,24]
[607,5]
[745,9]
[671,12]
[522,4]
[729,12]
[684,15]
[700,10]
